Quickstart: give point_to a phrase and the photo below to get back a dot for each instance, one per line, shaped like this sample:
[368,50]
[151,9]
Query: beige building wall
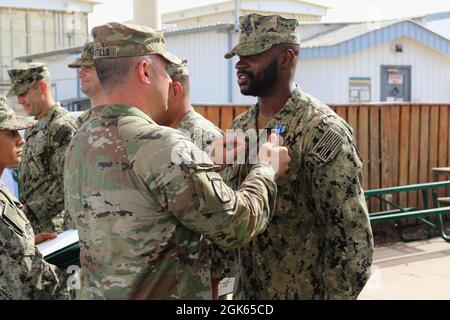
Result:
[223,17]
[228,17]
[25,32]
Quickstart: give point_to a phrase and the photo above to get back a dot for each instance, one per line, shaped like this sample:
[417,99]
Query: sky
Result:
[341,10]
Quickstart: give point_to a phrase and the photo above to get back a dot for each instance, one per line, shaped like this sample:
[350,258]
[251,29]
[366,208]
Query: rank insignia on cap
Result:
[328,146]
[221,190]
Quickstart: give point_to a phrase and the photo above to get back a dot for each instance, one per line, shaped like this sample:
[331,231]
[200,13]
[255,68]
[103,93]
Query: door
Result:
[395,83]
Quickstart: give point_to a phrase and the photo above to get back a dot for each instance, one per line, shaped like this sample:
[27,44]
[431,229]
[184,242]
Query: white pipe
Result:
[237,12]
[147,13]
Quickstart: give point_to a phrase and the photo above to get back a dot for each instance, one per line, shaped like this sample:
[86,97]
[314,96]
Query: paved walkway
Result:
[415,270]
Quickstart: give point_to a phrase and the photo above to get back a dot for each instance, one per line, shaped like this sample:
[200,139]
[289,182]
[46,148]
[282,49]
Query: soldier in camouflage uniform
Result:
[143,207]
[319,243]
[41,171]
[90,84]
[181,114]
[23,272]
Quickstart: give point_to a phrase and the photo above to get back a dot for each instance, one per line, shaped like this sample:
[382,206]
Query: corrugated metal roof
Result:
[344,33]
[200,28]
[355,37]
[30,57]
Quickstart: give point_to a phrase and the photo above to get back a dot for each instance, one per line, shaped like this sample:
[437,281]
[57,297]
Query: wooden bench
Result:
[431,214]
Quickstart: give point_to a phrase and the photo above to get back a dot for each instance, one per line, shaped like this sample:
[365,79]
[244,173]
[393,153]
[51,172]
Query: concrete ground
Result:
[415,270]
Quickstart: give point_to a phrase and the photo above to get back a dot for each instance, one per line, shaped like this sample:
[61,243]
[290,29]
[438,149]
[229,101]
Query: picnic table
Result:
[431,214]
[442,171]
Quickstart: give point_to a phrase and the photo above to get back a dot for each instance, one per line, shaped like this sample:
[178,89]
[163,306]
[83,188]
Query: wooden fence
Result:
[399,143]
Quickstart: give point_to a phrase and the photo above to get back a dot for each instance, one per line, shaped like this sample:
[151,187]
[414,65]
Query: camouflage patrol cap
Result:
[8,118]
[87,57]
[114,40]
[26,77]
[178,69]
[259,33]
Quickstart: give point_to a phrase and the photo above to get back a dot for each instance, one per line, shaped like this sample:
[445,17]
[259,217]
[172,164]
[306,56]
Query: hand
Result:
[226,150]
[44,237]
[275,156]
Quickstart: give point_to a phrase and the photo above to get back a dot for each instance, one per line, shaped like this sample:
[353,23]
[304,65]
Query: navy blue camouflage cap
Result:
[260,33]
[8,118]
[25,77]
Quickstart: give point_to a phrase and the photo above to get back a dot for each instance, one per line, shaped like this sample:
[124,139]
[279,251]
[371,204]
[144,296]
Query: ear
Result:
[288,58]
[144,71]
[43,86]
[177,88]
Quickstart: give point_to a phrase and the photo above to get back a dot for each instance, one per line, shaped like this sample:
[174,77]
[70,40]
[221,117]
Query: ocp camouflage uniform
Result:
[41,168]
[143,220]
[194,125]
[142,206]
[199,129]
[203,133]
[84,117]
[23,272]
[319,244]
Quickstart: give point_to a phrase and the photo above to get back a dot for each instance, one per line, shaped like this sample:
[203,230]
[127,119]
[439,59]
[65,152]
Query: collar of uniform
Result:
[117,110]
[285,115]
[248,119]
[7,195]
[43,122]
[187,116]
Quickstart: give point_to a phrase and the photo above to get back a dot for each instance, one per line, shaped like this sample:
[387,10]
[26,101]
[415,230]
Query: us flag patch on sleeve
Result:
[328,146]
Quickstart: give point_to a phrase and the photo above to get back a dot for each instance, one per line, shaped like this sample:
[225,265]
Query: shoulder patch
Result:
[221,190]
[328,146]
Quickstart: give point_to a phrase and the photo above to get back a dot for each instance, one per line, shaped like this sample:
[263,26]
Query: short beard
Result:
[262,81]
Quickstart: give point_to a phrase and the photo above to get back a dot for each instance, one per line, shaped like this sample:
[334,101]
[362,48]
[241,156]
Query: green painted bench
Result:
[431,214]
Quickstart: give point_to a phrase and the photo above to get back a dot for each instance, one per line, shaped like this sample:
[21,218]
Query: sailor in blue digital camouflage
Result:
[41,171]
[181,114]
[144,198]
[319,244]
[90,84]
[24,274]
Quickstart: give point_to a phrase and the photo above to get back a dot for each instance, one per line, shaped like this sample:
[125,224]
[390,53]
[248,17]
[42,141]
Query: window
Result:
[360,89]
